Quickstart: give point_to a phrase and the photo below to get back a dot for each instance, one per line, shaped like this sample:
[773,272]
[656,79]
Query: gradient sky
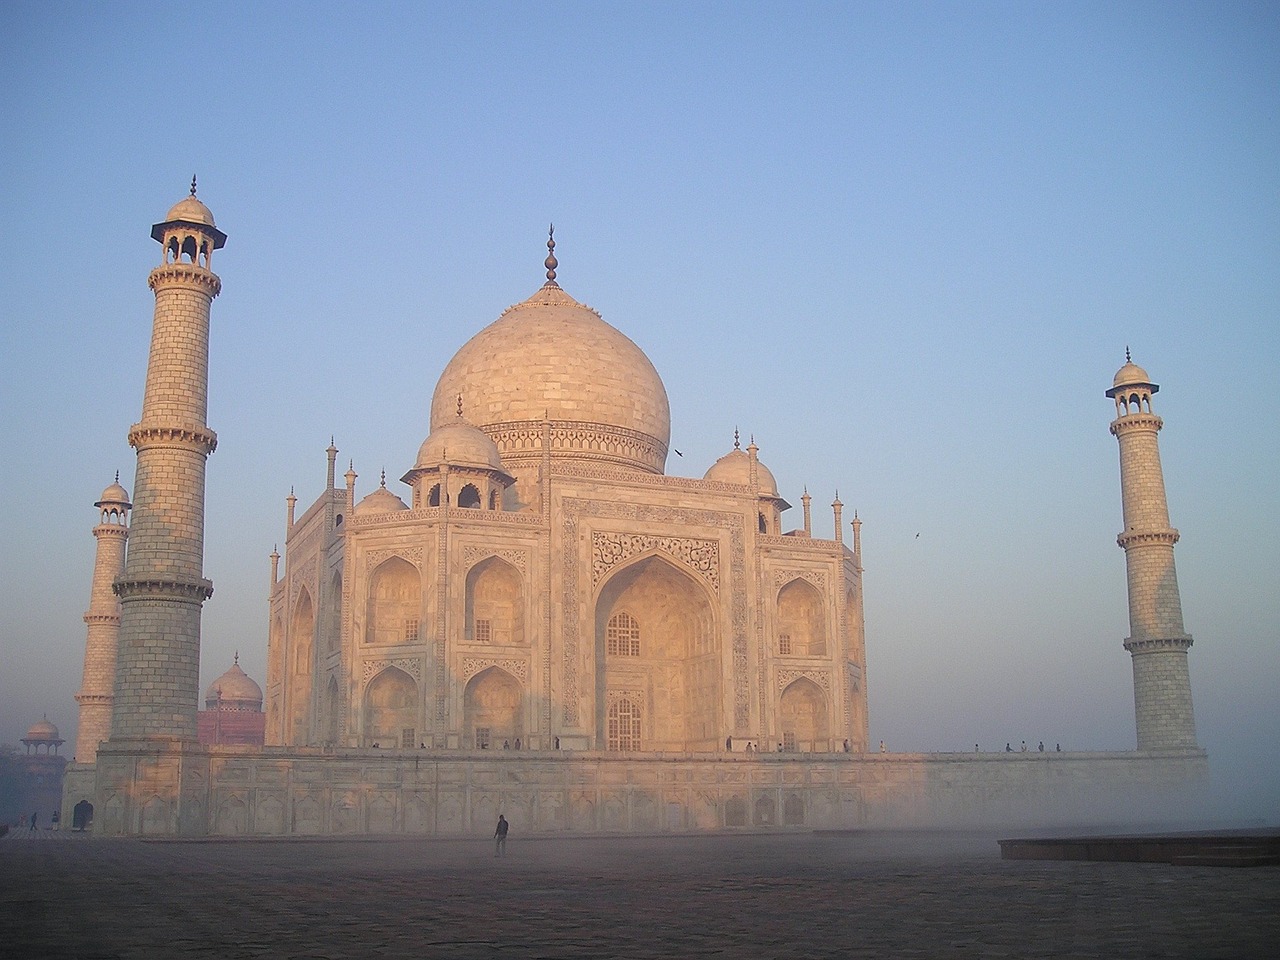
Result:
[903,245]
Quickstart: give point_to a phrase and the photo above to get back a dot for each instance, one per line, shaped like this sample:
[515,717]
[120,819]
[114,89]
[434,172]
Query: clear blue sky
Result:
[904,245]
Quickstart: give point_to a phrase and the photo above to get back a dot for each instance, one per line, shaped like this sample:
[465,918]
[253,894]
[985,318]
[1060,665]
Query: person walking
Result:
[34,818]
[500,837]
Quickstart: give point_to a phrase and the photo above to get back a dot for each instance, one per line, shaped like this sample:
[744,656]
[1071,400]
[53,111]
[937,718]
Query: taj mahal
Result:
[547,624]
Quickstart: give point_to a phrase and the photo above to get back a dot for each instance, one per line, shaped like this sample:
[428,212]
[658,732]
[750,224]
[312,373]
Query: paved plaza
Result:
[872,894]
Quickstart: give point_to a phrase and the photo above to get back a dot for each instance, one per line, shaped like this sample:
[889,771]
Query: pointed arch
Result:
[671,666]
[391,709]
[803,717]
[301,666]
[394,606]
[802,620]
[492,709]
[495,604]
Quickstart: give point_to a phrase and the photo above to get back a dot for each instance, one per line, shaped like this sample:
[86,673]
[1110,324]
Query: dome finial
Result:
[384,478]
[551,263]
[236,659]
[1127,358]
[193,184]
[117,476]
[737,443]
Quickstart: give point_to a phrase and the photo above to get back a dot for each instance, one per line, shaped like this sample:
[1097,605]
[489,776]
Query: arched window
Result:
[624,725]
[622,636]
[469,497]
[433,498]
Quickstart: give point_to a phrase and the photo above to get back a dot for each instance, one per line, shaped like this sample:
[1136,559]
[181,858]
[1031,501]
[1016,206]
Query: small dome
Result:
[381,500]
[735,467]
[235,688]
[114,494]
[1130,375]
[42,730]
[192,211]
[459,444]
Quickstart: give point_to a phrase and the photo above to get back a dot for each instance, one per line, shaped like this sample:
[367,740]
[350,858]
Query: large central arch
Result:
[657,647]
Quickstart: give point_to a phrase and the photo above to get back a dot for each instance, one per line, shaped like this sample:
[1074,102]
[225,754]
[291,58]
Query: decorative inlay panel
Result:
[410,665]
[517,558]
[817,577]
[613,696]
[821,677]
[306,576]
[700,556]
[473,665]
[412,554]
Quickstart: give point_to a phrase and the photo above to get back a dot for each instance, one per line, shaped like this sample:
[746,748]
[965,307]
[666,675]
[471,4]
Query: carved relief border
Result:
[574,509]
[518,668]
[608,549]
[787,675]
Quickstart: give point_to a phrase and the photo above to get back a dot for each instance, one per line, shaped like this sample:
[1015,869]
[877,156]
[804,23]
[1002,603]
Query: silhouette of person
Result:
[500,837]
[34,818]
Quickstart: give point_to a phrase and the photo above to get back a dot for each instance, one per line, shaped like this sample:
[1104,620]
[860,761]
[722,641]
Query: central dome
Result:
[554,358]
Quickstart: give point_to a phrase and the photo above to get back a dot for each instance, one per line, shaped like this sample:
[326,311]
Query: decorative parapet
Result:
[1154,644]
[163,588]
[1136,421]
[1135,538]
[184,274]
[187,436]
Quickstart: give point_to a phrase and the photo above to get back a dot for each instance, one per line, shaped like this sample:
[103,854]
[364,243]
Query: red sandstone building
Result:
[233,710]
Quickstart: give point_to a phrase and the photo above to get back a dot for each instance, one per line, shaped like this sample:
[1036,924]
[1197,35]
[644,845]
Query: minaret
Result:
[1157,641]
[163,586]
[103,623]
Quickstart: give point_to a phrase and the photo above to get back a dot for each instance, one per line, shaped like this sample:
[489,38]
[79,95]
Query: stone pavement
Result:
[873,894]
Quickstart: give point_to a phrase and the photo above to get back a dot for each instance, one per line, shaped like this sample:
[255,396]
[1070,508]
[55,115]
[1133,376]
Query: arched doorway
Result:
[656,645]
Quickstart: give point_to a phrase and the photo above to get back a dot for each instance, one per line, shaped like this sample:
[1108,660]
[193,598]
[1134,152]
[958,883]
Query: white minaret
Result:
[1157,641]
[163,586]
[103,623]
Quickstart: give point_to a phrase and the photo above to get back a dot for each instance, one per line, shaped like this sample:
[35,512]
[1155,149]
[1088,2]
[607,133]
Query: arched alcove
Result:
[665,655]
[492,710]
[391,710]
[802,620]
[302,629]
[495,604]
[394,607]
[802,716]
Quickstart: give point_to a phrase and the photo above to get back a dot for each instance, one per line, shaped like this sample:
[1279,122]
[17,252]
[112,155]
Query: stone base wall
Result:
[228,791]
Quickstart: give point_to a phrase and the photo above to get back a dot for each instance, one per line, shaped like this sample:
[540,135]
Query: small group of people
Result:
[33,824]
[1008,747]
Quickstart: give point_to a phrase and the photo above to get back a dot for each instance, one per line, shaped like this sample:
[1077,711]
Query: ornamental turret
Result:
[1157,642]
[163,585]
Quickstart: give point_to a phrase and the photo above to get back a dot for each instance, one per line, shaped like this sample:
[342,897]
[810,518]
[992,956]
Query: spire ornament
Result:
[551,263]
[193,184]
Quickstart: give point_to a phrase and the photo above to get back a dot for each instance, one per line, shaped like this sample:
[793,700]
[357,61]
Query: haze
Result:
[903,246]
